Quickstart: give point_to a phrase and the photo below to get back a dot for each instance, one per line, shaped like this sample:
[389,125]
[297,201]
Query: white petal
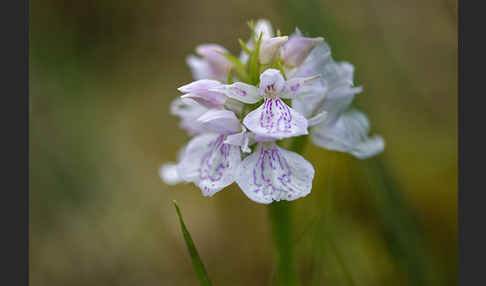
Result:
[209,163]
[269,49]
[241,139]
[273,174]
[200,91]
[349,133]
[318,118]
[302,86]
[368,148]
[310,98]
[199,67]
[297,49]
[336,79]
[338,74]
[316,61]
[234,105]
[220,121]
[263,26]
[199,86]
[240,91]
[212,54]
[168,173]
[338,100]
[275,119]
[272,83]
[188,111]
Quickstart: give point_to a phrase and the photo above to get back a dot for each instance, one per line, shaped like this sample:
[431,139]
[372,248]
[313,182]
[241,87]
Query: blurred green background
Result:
[102,76]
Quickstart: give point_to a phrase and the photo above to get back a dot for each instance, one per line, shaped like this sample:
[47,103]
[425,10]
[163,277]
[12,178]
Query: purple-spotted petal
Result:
[209,163]
[271,173]
[275,120]
[220,121]
[240,91]
[201,92]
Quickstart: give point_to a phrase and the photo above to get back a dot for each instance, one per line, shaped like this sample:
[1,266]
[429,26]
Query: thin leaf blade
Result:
[196,260]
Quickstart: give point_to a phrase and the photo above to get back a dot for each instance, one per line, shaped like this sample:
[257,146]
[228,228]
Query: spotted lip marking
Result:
[270,164]
[215,161]
[268,116]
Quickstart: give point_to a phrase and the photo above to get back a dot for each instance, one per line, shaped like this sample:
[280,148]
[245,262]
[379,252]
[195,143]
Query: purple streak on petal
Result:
[271,163]
[206,169]
[239,90]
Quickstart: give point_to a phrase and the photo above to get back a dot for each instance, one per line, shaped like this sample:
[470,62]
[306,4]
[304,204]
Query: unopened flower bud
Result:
[219,64]
[297,48]
[200,92]
[269,48]
[263,27]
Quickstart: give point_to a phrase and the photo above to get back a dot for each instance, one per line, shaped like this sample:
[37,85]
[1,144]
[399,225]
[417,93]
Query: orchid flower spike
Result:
[238,109]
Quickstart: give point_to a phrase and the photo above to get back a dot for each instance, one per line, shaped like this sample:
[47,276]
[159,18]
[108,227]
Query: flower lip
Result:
[275,120]
[271,173]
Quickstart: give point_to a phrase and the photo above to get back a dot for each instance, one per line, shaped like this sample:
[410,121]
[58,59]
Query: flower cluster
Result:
[239,108]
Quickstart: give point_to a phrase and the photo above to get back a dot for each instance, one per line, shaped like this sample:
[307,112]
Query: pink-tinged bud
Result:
[212,53]
[297,48]
[269,48]
[200,92]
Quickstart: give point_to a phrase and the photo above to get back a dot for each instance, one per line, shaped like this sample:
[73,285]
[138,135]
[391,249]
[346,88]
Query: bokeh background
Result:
[102,75]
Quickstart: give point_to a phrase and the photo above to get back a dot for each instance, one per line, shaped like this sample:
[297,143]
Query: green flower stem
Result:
[281,220]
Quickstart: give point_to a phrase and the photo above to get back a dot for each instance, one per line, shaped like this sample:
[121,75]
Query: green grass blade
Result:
[402,233]
[196,260]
